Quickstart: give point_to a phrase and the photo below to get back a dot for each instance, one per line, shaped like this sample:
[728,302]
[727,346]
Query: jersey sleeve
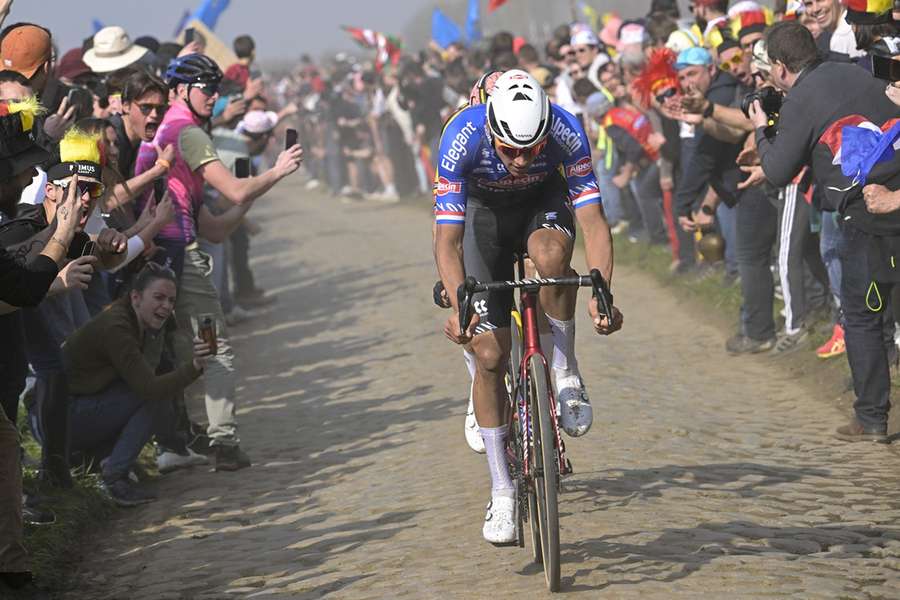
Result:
[459,145]
[572,143]
[196,147]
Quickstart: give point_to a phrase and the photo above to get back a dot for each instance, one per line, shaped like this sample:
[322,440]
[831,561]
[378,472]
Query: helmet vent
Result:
[521,96]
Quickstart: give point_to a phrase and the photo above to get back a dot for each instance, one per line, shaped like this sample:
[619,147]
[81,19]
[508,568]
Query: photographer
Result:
[117,398]
[821,99]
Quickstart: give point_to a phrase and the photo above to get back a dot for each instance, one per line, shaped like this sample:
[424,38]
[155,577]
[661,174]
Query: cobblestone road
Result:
[704,476]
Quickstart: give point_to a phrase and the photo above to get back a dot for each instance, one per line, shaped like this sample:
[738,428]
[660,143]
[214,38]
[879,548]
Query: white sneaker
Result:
[167,462]
[473,434]
[573,405]
[500,521]
[312,184]
[237,315]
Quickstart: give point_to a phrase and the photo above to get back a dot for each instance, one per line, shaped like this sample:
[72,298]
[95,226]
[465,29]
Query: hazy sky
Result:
[281,27]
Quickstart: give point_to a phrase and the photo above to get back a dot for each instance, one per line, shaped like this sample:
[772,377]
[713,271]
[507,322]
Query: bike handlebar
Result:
[471,286]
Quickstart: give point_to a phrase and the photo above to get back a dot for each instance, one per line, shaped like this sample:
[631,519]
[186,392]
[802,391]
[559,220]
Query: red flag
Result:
[495,4]
[387,49]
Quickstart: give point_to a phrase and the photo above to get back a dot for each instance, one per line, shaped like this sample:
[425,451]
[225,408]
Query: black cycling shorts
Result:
[494,234]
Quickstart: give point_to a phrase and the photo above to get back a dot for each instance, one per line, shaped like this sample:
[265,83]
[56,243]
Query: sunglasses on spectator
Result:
[730,65]
[511,152]
[147,108]
[584,49]
[665,95]
[208,89]
[93,188]
[154,267]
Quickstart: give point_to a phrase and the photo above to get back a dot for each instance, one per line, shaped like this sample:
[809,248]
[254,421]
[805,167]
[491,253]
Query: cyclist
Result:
[511,173]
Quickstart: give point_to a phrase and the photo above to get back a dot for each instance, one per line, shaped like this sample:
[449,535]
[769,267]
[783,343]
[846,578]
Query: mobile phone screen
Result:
[188,35]
[88,249]
[159,188]
[290,138]
[242,167]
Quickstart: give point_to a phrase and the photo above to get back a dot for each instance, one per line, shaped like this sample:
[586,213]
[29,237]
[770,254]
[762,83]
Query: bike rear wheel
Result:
[545,469]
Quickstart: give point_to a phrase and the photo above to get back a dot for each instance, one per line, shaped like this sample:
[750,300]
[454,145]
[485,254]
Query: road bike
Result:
[535,448]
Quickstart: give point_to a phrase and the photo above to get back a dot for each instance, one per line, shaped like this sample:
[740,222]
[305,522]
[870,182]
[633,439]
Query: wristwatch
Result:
[708,111]
[707,210]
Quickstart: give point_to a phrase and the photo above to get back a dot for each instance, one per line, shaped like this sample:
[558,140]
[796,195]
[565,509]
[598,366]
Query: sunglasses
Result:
[511,152]
[584,49]
[157,268]
[730,65]
[160,109]
[93,188]
[208,89]
[665,95]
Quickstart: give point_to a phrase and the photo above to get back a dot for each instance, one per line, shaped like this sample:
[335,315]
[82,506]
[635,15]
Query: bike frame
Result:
[531,346]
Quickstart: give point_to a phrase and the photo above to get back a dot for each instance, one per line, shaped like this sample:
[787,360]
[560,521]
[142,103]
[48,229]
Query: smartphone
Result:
[886,68]
[242,167]
[206,331]
[79,96]
[290,138]
[88,249]
[159,188]
[188,35]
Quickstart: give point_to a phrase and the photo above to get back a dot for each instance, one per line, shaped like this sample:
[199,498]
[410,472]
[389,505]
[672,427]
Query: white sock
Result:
[390,190]
[547,344]
[563,344]
[470,363]
[495,448]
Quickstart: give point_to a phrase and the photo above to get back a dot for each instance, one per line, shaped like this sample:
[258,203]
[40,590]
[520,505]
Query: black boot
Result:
[52,398]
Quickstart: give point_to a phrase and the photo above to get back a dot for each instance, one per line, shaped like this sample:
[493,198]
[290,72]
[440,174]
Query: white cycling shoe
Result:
[573,405]
[500,521]
[473,434]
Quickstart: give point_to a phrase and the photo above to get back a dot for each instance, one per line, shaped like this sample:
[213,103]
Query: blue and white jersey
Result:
[468,164]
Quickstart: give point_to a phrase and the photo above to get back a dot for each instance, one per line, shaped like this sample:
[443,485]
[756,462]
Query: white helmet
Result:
[518,110]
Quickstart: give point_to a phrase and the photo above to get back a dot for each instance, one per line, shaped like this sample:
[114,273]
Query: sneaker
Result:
[168,461]
[500,521]
[835,346]
[236,315]
[34,515]
[312,184]
[790,342]
[573,405]
[255,299]
[473,434]
[124,493]
[230,458]
[855,432]
[741,344]
[619,228]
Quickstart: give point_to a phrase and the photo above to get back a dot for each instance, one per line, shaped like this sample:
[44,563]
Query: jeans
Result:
[829,241]
[117,417]
[865,305]
[612,199]
[197,295]
[756,223]
[648,196]
[726,217]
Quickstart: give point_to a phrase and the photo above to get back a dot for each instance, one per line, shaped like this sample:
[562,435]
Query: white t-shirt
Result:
[843,40]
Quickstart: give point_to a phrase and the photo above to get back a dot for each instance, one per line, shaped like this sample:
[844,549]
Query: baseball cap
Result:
[584,37]
[691,57]
[25,48]
[71,66]
[258,121]
[543,76]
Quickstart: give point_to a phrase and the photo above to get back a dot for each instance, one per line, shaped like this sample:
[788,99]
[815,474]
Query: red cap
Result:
[25,49]
[71,66]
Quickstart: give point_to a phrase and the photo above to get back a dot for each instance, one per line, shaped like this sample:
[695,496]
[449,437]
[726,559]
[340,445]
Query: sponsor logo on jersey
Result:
[566,137]
[444,186]
[457,149]
[509,181]
[581,168]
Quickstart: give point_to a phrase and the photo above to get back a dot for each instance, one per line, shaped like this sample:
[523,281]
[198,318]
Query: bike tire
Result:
[545,474]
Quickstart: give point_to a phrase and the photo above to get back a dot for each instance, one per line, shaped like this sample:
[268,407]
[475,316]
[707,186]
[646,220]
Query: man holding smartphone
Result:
[194,82]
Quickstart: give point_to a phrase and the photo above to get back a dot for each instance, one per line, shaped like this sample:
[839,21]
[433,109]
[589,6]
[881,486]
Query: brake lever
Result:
[464,299]
[602,294]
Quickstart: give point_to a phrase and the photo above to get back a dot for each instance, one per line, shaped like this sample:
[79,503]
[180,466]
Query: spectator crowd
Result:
[754,144]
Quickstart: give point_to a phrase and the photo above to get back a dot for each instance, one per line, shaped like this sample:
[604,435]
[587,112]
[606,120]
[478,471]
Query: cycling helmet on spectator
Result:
[518,110]
[193,69]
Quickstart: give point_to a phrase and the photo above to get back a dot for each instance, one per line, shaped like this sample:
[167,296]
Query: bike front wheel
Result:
[545,469]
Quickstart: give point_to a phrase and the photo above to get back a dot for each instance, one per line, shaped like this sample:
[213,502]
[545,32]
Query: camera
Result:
[770,100]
